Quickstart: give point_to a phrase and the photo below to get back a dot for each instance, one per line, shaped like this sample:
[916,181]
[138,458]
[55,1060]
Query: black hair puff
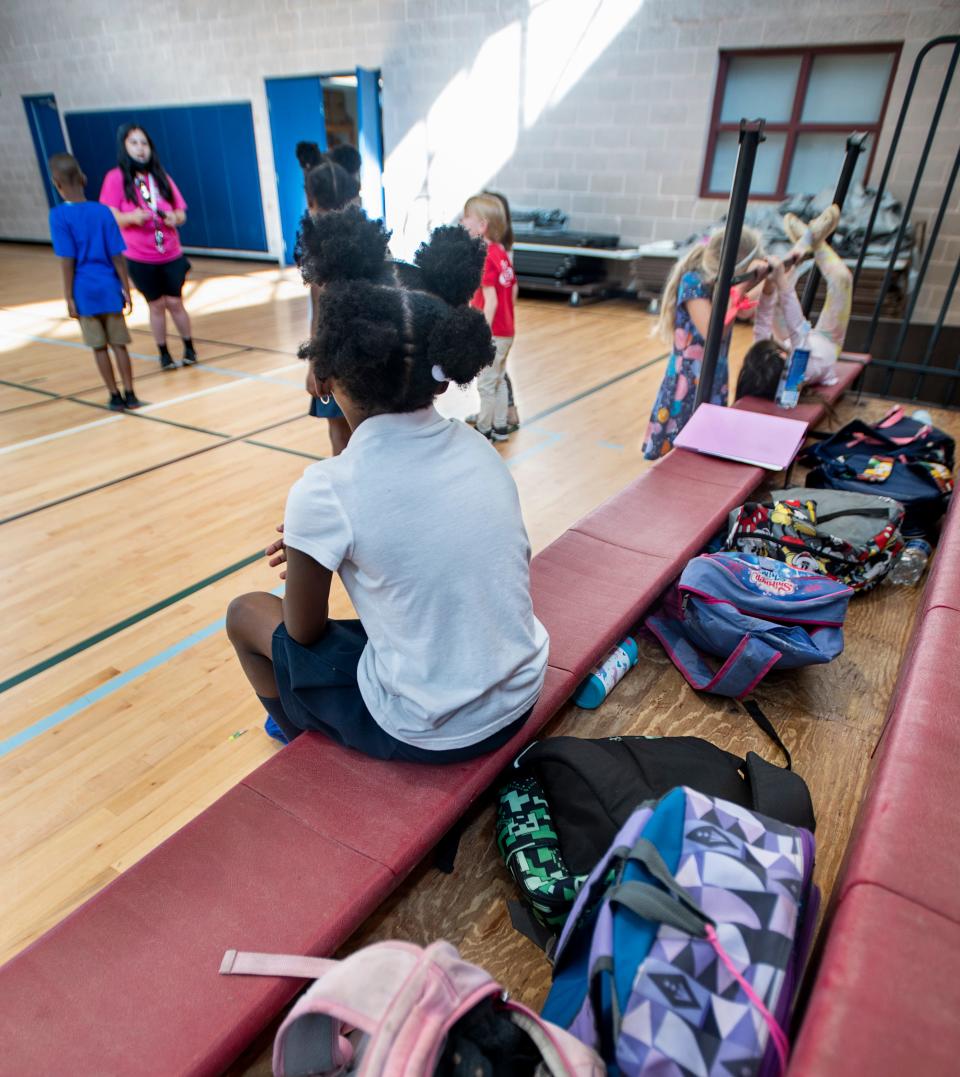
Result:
[347,157]
[461,345]
[308,155]
[451,264]
[342,246]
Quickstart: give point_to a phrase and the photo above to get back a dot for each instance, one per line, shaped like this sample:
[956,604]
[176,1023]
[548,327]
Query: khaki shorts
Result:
[99,330]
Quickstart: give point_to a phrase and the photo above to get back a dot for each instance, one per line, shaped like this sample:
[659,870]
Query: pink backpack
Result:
[386,1011]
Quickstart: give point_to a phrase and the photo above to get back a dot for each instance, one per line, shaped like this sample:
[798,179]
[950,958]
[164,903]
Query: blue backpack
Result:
[899,458]
[754,614]
[684,947]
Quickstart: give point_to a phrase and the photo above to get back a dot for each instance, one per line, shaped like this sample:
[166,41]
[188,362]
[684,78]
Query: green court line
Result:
[127,622]
[283,448]
[229,440]
[133,619]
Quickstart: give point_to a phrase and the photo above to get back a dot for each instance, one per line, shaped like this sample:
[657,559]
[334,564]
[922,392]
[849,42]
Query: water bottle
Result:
[607,675]
[909,566]
[794,371]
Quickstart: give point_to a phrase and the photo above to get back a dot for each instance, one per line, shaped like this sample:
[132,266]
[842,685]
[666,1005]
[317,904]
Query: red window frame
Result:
[792,127]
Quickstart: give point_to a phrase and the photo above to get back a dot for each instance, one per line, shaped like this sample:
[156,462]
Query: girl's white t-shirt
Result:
[421,518]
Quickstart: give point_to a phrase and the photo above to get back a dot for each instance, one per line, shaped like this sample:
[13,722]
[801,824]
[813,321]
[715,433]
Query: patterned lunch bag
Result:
[855,538]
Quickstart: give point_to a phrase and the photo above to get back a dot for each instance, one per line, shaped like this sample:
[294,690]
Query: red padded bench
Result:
[303,850]
[887,990]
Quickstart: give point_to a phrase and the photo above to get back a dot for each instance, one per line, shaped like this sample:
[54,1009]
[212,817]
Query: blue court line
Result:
[109,687]
[551,439]
[611,445]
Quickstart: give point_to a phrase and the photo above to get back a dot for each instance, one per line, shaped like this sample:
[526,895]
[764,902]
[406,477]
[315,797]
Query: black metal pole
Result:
[751,135]
[856,144]
[908,205]
[894,141]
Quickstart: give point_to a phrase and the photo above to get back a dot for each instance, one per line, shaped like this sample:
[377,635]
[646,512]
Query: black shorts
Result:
[319,692]
[156,279]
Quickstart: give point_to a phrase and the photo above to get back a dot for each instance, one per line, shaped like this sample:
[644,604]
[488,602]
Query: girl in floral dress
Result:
[684,318]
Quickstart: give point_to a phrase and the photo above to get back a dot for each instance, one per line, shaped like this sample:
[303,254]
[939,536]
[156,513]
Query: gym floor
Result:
[125,536]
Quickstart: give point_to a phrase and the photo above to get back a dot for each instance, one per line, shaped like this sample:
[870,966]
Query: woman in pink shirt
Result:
[149,209]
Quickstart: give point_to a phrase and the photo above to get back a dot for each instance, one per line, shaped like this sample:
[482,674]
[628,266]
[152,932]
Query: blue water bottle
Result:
[607,675]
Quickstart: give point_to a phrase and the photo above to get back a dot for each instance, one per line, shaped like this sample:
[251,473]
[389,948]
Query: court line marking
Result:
[226,440]
[135,618]
[127,622]
[147,408]
[121,680]
[114,684]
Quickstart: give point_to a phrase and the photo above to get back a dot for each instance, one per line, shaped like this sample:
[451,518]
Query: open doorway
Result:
[332,110]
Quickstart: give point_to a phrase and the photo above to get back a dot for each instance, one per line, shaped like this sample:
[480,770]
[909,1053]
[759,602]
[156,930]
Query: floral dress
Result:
[678,390]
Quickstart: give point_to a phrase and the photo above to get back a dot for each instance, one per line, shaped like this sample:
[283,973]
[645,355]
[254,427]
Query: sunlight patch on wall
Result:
[564,38]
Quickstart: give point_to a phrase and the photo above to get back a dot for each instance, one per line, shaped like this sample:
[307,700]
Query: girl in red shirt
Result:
[484,218]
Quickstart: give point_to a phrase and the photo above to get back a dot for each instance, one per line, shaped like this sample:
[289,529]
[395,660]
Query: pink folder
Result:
[745,436]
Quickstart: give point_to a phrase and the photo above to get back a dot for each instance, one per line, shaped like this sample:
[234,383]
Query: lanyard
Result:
[149,194]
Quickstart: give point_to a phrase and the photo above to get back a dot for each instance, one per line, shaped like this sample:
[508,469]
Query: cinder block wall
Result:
[597,107]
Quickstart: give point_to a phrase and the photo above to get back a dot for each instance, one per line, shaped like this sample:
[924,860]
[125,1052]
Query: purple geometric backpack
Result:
[752,613]
[684,947]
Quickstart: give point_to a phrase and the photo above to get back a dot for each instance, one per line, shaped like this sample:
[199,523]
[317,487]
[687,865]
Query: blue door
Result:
[296,115]
[371,141]
[44,122]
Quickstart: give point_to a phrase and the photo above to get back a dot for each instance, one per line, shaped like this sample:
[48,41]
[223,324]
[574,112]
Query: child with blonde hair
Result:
[684,317]
[484,218]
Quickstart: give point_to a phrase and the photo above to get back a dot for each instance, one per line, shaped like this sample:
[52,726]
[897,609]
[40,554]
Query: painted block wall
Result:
[598,107]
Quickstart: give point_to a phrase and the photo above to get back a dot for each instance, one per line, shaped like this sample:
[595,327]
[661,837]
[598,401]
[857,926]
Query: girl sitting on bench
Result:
[684,318]
[763,363]
[418,515]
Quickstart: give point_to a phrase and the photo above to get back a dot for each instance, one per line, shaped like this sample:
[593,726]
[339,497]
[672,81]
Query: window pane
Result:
[847,87]
[766,168]
[817,160]
[760,87]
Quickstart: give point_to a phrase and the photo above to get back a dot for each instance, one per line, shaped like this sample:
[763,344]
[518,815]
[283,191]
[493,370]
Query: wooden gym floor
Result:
[125,536]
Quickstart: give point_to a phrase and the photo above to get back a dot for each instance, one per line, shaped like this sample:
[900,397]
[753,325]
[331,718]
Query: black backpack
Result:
[569,797]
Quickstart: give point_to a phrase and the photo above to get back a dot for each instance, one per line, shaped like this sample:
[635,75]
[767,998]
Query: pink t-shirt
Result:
[139,238]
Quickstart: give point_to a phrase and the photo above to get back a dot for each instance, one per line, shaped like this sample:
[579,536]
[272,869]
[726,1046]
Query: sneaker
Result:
[166,361]
[131,400]
[189,356]
[823,226]
[496,434]
[793,227]
[513,420]
[116,402]
[471,420]
[271,728]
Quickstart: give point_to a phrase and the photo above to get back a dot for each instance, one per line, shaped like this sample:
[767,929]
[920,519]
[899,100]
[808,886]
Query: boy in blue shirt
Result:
[88,242]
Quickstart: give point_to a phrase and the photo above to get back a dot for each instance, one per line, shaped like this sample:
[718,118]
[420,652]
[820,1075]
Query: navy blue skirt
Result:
[319,692]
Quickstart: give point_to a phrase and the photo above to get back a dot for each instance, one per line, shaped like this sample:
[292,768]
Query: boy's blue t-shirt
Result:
[88,233]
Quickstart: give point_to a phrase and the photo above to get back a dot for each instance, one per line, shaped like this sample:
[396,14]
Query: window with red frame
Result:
[812,99]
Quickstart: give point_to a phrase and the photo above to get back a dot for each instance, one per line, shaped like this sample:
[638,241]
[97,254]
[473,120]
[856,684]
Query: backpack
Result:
[898,458]
[570,796]
[394,1009]
[855,538]
[753,613]
[684,947]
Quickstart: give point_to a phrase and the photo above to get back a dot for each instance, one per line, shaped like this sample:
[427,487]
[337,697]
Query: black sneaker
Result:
[130,400]
[117,403]
[166,361]
[189,356]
